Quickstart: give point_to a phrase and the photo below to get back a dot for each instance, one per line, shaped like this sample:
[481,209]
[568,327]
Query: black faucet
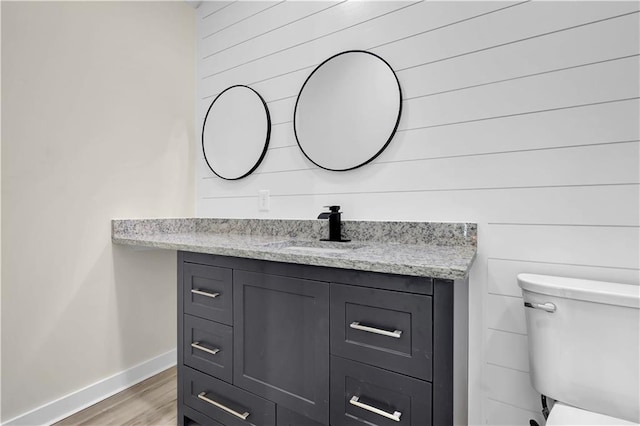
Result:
[335,226]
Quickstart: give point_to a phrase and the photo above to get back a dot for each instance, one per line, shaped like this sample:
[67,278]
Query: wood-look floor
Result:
[151,402]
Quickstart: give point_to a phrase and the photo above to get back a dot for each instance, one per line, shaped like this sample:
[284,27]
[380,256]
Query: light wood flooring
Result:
[151,402]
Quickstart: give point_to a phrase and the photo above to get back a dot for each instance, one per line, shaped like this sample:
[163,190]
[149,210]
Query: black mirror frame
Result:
[395,127]
[266,143]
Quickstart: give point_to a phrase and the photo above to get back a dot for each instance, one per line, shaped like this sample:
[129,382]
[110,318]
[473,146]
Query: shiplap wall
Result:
[522,117]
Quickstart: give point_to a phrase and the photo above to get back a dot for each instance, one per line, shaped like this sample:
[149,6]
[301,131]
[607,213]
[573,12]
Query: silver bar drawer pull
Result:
[202,348]
[356,401]
[549,307]
[358,326]
[204,293]
[203,396]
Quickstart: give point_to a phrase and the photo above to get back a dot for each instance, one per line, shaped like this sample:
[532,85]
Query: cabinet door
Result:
[281,341]
[287,417]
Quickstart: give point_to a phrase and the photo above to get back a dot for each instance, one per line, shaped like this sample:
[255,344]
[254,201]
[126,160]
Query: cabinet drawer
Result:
[388,329]
[225,403]
[207,292]
[366,395]
[208,347]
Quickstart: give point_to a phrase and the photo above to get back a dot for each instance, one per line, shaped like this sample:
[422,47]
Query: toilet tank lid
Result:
[579,289]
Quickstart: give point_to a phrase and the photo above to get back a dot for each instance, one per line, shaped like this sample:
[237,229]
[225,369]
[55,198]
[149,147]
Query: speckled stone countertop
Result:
[425,249]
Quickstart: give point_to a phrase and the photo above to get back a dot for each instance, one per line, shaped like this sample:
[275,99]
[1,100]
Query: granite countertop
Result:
[425,249]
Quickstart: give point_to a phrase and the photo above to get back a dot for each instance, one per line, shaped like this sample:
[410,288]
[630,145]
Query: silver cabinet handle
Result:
[204,293]
[548,307]
[358,326]
[202,348]
[356,401]
[243,416]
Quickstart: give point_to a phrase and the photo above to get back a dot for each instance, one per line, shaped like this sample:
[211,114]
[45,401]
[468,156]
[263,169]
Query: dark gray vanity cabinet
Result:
[275,344]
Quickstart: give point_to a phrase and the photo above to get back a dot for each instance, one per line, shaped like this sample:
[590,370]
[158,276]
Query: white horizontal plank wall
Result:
[522,117]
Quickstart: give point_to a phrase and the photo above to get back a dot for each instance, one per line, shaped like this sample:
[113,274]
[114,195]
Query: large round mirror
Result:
[348,110]
[235,133]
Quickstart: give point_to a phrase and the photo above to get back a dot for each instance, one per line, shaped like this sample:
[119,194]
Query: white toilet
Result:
[584,348]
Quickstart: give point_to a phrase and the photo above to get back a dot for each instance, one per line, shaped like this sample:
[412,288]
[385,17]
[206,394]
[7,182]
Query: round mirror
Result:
[348,110]
[235,133]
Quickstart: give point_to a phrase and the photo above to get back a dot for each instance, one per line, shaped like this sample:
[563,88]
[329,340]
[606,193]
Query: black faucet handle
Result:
[333,209]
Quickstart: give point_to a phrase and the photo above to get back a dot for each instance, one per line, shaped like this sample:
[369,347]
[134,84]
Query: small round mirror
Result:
[235,133]
[348,110]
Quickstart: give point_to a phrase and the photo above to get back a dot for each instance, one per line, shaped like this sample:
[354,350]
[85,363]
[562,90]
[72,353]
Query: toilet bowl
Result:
[584,348]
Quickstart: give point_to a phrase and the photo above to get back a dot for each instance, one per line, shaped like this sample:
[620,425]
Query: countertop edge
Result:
[439,272]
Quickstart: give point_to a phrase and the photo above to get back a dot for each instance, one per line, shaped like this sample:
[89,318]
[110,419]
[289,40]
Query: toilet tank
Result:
[584,342]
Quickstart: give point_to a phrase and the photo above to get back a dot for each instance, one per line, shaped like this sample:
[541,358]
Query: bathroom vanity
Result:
[276,328]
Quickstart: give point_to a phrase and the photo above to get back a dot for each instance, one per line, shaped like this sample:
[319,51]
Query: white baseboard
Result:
[79,400]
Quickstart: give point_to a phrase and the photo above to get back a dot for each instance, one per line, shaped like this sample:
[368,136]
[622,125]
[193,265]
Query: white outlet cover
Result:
[263,200]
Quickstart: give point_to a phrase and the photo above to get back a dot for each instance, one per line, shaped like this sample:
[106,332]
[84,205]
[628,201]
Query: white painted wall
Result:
[520,117]
[97,123]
